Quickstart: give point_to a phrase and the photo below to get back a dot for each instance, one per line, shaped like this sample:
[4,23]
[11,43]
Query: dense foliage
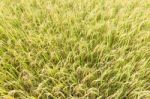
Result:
[74,49]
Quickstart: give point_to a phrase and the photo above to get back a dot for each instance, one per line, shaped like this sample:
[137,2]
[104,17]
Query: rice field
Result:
[74,49]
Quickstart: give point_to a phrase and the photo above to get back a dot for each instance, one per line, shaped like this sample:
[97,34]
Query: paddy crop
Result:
[74,49]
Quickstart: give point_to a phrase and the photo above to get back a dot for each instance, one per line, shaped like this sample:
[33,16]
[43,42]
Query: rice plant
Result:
[74,49]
